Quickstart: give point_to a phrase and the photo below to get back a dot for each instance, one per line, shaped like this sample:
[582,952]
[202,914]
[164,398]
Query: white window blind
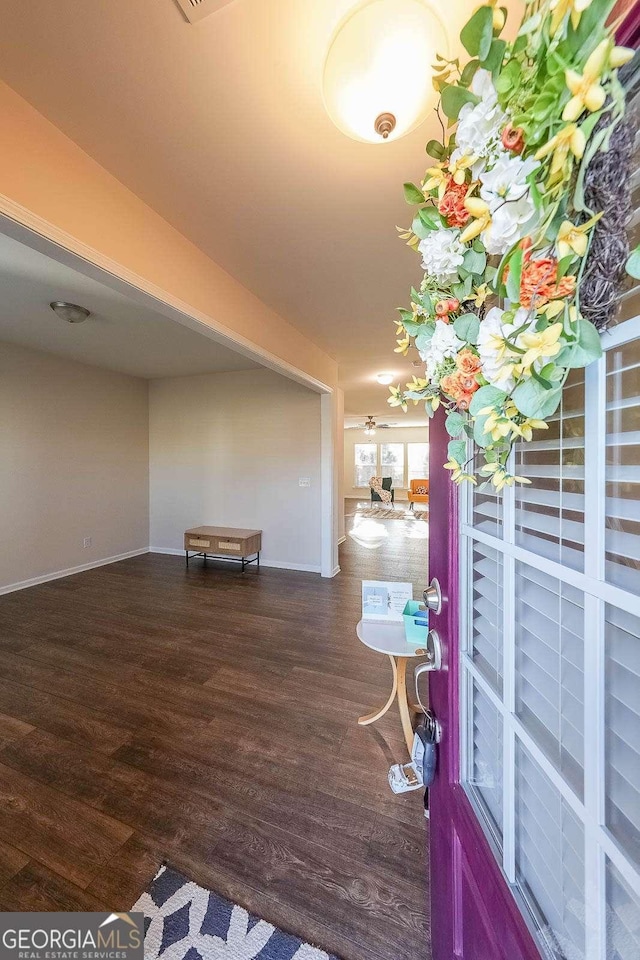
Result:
[549,631]
[487,613]
[550,511]
[417,461]
[622,711]
[550,858]
[486,773]
[623,918]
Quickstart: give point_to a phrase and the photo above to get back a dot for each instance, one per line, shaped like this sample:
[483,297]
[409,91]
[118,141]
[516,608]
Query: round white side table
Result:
[389,638]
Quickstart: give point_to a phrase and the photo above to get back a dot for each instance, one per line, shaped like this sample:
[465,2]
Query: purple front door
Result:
[473,913]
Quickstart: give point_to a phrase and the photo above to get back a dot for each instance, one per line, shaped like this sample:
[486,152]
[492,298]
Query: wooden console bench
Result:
[223,543]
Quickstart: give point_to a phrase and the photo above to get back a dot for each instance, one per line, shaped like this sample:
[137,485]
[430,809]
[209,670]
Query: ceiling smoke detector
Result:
[70,312]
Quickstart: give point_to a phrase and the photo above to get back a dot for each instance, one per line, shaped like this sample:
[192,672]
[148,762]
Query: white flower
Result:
[497,359]
[479,127]
[504,188]
[442,254]
[510,222]
[444,343]
[507,179]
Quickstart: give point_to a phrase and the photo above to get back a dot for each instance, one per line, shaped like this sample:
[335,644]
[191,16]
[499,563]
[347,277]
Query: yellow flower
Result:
[457,473]
[588,92]
[435,177]
[482,292]
[458,167]
[568,140]
[619,56]
[403,346]
[497,426]
[396,399]
[560,9]
[542,344]
[526,428]
[552,309]
[479,210]
[573,239]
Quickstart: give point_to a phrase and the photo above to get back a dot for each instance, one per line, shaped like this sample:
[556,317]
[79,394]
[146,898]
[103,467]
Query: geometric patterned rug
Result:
[183,921]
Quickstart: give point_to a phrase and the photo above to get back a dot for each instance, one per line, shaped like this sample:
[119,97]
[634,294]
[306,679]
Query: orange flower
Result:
[464,401]
[513,139]
[468,363]
[538,282]
[451,205]
[459,386]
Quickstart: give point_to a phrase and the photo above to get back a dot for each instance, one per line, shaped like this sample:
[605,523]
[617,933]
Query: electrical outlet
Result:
[304,481]
[86,542]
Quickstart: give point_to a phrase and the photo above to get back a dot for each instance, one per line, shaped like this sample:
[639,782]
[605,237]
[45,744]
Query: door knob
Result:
[434,654]
[433,596]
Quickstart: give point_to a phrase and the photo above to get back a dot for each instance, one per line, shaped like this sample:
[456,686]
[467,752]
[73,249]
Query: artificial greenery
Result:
[502,219]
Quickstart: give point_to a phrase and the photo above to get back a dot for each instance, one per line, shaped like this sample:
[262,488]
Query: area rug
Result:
[183,921]
[384,513]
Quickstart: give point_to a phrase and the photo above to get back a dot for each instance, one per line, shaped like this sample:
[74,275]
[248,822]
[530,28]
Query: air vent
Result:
[195,10]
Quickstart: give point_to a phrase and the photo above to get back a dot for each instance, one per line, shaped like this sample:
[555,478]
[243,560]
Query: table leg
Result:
[403,703]
[372,717]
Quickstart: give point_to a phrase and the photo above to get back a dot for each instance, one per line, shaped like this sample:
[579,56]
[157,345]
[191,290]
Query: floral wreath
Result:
[504,217]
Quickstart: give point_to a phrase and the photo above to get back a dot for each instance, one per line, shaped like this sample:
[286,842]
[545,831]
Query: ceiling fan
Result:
[370,426]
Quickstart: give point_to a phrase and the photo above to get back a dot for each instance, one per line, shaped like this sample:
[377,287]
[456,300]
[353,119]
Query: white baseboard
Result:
[278,564]
[59,574]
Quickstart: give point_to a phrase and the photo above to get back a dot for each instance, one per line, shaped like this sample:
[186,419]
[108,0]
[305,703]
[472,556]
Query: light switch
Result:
[304,481]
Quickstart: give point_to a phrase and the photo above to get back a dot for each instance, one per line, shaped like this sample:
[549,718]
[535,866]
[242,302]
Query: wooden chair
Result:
[418,497]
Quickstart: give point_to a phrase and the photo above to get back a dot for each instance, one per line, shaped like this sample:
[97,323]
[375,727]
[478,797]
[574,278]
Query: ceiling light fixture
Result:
[370,427]
[70,312]
[384,378]
[377,82]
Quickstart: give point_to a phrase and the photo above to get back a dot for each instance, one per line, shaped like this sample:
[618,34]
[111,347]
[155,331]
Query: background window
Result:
[418,461]
[392,462]
[366,463]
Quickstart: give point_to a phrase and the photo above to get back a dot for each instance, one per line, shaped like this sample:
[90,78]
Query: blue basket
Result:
[415,627]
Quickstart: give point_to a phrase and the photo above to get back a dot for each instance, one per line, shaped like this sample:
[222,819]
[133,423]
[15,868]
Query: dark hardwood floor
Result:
[208,718]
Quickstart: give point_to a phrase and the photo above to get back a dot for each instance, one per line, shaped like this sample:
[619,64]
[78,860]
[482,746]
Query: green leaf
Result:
[453,100]
[475,261]
[457,450]
[419,228]
[423,337]
[480,437]
[486,397]
[493,60]
[513,277]
[413,194]
[430,218]
[534,400]
[477,33]
[467,327]
[509,77]
[632,265]
[584,351]
[455,424]
[469,72]
[436,150]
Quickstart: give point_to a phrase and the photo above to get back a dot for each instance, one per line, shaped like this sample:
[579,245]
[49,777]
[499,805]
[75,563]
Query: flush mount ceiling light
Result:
[384,378]
[70,312]
[377,75]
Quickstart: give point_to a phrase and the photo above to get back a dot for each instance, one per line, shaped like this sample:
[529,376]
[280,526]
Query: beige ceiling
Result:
[120,335]
[220,126]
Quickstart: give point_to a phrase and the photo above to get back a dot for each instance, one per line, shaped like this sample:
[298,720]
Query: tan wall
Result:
[393,435]
[46,173]
[73,464]
[228,449]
